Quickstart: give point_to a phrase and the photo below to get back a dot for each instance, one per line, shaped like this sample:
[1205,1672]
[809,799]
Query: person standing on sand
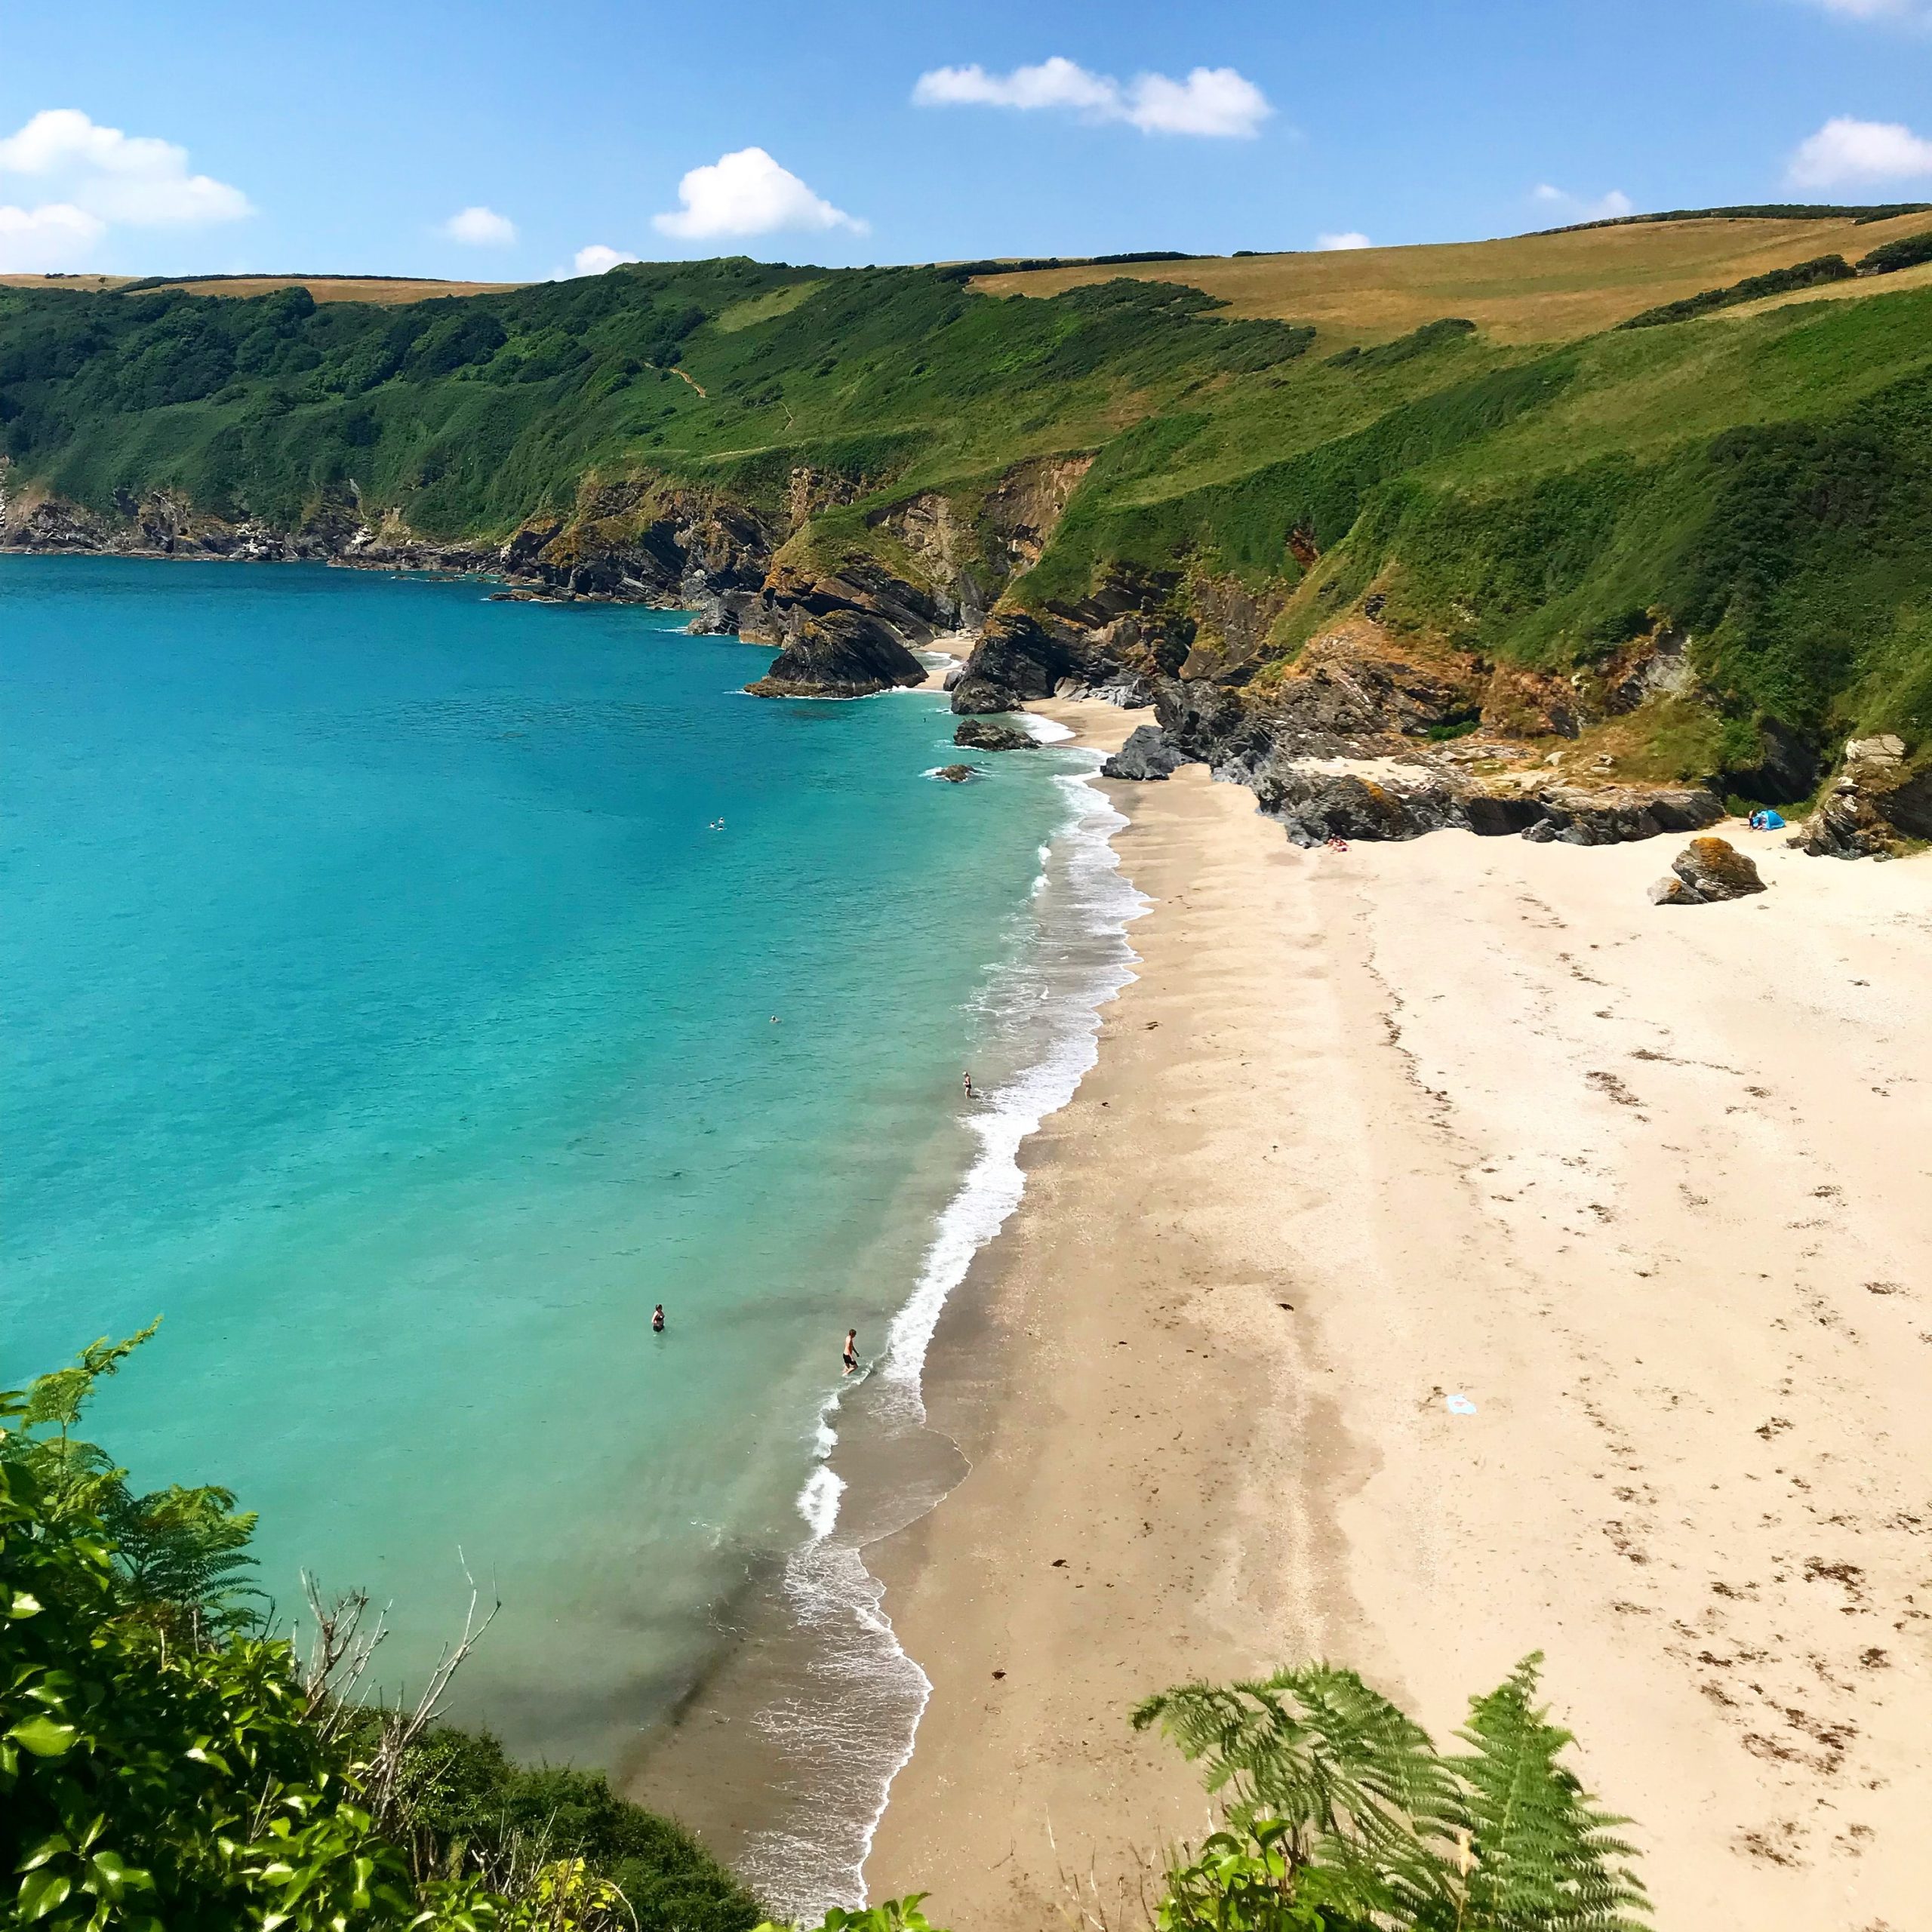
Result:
[851,1350]
[657,1319]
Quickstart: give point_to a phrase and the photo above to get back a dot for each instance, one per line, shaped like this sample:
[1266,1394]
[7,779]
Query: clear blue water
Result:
[381,1008]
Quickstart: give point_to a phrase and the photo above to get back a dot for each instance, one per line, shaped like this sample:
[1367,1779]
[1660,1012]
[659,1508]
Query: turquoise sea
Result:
[403,993]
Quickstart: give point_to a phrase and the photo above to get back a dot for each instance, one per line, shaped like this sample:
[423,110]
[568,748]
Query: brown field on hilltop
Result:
[86,284]
[1529,288]
[387,289]
[343,288]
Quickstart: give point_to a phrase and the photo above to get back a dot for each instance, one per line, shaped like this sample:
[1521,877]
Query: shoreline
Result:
[1487,1122]
[782,1756]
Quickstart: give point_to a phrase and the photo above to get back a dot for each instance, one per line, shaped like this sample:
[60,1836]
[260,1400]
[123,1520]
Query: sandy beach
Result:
[1652,1188]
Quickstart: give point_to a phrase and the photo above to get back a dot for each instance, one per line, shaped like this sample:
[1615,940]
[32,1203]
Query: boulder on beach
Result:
[1146,755]
[1707,871]
[978,734]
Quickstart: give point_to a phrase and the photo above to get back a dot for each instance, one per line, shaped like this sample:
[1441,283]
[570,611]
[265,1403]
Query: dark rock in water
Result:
[957,774]
[973,696]
[1874,805]
[977,735]
[1146,755]
[839,653]
[1713,869]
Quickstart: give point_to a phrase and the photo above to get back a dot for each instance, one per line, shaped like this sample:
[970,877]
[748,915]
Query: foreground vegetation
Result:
[164,1761]
[1761,479]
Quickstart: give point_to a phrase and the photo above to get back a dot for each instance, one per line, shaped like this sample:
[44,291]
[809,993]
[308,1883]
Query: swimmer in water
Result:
[657,1319]
[851,1350]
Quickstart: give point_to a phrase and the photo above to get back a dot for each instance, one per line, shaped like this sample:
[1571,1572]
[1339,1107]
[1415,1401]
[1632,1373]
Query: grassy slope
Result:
[1765,477]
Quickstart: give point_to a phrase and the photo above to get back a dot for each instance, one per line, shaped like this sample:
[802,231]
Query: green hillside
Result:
[1762,478]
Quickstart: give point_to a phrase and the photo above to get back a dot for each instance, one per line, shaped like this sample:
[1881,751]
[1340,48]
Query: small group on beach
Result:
[1765,820]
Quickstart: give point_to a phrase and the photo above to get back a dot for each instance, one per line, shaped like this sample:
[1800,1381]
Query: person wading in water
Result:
[657,1319]
[851,1350]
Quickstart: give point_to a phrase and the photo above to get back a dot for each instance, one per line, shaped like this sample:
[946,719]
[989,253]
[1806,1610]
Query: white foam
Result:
[1047,730]
[818,1501]
[859,1734]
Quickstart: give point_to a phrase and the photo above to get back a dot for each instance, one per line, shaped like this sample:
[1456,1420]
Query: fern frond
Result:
[1546,1859]
[1358,1784]
[186,1548]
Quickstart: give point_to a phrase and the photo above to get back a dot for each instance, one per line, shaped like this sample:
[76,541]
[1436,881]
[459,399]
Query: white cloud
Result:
[481,227]
[1908,11]
[54,235]
[1055,83]
[1579,207]
[88,178]
[747,193]
[1352,238]
[1217,103]
[1844,151]
[117,177]
[596,259]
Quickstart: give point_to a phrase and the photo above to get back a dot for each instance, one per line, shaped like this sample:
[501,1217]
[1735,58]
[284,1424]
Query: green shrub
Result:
[1779,281]
[164,1761]
[1906,253]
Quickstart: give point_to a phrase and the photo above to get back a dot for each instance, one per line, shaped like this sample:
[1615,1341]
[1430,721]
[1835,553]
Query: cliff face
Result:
[842,633]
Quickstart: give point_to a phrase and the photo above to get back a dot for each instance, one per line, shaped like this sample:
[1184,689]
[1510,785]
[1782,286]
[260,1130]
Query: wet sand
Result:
[1652,1188]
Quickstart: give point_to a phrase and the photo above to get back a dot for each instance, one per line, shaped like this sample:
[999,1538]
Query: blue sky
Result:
[228,136]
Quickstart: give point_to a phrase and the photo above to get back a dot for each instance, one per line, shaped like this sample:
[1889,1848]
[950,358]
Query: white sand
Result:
[1652,1187]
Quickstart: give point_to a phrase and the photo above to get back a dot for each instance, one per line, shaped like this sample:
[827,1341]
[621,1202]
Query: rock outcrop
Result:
[1877,805]
[1015,657]
[1707,872]
[1146,755]
[977,734]
[843,654]
[957,774]
[1618,814]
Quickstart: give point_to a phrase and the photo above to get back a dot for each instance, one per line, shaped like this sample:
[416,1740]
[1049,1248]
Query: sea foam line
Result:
[859,1733]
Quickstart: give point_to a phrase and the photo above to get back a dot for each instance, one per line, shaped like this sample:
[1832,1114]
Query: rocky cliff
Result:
[1364,732]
